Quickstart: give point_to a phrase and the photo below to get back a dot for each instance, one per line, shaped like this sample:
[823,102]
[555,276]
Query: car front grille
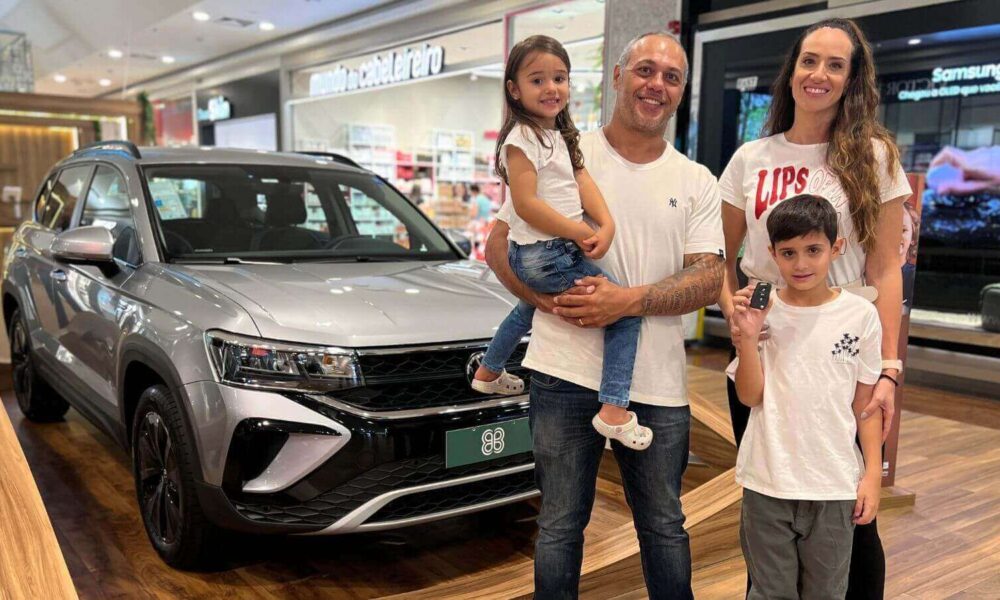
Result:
[327,508]
[451,498]
[421,379]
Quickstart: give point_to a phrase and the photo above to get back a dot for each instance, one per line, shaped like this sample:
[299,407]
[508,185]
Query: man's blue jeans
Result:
[552,267]
[568,453]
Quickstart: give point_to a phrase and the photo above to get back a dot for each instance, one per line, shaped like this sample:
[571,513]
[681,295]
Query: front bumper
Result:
[336,468]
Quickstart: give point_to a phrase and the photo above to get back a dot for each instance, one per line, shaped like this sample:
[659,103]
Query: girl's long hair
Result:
[515,112]
[851,155]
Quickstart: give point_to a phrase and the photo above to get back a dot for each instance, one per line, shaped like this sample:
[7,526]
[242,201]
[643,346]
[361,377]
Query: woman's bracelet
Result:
[890,378]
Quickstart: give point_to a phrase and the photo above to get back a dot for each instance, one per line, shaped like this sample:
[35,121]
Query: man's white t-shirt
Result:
[769,170]
[799,442]
[662,211]
[556,184]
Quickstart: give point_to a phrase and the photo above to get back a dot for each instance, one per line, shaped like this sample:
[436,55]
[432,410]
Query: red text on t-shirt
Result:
[773,186]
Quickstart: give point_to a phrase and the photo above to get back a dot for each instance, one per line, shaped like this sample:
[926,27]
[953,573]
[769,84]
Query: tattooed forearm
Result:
[697,285]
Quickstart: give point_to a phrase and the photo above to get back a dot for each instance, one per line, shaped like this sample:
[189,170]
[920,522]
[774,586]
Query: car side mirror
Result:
[91,244]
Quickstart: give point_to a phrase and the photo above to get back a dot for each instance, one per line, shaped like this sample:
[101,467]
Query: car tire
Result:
[163,460]
[37,400]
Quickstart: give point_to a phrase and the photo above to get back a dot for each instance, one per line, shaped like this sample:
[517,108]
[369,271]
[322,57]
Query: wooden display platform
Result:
[31,562]
[945,545]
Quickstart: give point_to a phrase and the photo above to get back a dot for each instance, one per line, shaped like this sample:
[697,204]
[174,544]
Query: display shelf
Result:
[454,155]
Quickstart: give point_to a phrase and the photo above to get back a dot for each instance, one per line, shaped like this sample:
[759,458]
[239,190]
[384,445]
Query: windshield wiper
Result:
[227,260]
[354,258]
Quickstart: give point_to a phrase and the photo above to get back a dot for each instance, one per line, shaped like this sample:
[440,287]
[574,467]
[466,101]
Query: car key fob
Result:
[761,295]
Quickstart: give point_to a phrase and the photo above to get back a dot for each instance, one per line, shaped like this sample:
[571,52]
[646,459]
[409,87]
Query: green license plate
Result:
[486,442]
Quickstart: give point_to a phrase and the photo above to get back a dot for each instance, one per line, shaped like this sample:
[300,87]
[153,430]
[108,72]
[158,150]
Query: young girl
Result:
[539,158]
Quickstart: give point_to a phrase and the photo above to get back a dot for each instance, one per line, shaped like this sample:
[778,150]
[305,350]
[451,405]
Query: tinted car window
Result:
[62,198]
[107,205]
[43,196]
[276,213]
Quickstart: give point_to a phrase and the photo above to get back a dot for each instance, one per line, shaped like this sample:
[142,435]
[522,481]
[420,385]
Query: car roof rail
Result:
[111,145]
[332,156]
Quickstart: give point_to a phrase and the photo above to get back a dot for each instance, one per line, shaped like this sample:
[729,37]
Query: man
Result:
[667,256]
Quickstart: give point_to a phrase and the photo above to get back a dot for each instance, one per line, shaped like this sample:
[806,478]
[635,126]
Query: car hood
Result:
[363,304]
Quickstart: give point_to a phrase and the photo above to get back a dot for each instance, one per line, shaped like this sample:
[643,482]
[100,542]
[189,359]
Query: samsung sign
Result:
[945,82]
[379,70]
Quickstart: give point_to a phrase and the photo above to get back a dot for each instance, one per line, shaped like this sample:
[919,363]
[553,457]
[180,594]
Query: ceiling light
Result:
[115,53]
[914,41]
[59,77]
[104,82]
[167,59]
[266,26]
[201,16]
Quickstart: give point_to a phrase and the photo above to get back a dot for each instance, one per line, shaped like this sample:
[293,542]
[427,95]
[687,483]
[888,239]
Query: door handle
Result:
[58,275]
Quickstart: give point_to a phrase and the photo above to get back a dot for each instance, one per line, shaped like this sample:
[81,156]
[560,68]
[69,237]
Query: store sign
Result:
[945,82]
[218,109]
[379,70]
[747,84]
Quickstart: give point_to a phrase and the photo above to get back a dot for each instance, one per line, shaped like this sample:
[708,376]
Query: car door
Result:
[54,216]
[89,299]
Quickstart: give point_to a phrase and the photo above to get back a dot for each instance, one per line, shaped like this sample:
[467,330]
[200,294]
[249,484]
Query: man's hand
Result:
[594,302]
[543,302]
[884,399]
[869,495]
[599,243]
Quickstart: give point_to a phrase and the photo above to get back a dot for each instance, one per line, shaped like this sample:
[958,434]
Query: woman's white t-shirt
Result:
[556,184]
[799,442]
[769,170]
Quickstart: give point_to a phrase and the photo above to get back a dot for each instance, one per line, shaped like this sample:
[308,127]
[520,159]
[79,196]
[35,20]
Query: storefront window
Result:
[423,116]
[426,115]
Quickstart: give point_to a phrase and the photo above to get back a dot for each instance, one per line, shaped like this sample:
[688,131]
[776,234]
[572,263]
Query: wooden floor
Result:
[946,546]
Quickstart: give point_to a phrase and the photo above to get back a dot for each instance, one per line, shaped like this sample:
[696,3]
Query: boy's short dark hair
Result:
[801,215]
[474,188]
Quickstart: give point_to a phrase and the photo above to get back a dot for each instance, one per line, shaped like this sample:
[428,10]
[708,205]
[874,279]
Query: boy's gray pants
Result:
[796,548]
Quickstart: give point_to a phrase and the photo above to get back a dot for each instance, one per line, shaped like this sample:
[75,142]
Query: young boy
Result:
[805,485]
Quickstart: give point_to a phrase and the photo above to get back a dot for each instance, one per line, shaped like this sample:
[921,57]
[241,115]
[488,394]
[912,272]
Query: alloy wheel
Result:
[159,479]
[21,370]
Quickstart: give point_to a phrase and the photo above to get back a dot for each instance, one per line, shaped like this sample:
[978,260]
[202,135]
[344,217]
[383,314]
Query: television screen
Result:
[753,113]
[961,203]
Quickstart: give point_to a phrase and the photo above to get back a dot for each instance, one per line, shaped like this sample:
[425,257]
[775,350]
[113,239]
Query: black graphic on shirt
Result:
[846,348]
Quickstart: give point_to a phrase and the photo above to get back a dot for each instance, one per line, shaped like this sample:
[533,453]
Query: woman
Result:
[824,139]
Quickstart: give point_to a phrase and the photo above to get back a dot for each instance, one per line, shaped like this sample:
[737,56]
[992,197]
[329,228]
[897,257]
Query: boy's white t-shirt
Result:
[766,171]
[556,184]
[662,211]
[799,442]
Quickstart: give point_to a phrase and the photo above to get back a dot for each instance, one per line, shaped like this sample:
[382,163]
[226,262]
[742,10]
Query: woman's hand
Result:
[884,399]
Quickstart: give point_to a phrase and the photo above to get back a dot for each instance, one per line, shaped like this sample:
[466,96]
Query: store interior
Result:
[435,138]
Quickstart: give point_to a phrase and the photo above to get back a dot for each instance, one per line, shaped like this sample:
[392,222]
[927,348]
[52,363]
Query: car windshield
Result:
[273,213]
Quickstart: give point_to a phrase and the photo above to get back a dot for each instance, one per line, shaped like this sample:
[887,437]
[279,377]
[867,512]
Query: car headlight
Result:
[257,362]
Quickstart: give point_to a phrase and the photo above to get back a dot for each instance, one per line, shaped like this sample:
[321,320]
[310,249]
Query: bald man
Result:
[667,255]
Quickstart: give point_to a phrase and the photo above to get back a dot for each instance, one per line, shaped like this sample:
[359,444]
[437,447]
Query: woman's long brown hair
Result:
[516,113]
[851,153]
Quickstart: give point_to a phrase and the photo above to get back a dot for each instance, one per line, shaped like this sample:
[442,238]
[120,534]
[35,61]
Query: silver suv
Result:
[282,341]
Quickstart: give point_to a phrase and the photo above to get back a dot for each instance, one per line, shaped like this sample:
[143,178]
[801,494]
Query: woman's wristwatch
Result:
[893,363]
